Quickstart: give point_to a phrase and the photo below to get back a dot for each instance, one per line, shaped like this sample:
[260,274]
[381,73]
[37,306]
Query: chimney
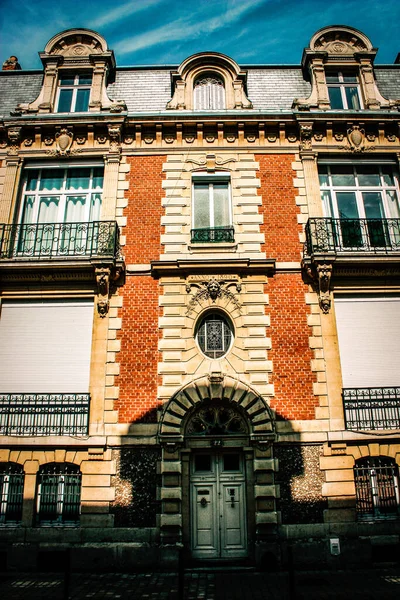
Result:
[11,64]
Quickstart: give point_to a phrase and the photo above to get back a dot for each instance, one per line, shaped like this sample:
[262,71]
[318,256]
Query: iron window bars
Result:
[11,493]
[58,494]
[377,488]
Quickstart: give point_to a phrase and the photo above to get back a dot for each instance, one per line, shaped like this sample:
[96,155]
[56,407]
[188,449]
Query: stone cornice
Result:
[239,266]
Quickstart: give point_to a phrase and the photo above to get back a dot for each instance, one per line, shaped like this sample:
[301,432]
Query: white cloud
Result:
[185,28]
[126,10]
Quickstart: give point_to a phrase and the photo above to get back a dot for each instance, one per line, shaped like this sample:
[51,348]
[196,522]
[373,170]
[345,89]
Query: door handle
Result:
[203,502]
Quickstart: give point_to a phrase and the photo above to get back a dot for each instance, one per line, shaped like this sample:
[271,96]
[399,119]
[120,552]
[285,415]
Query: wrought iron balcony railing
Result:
[59,240]
[367,409]
[212,235]
[328,235]
[44,414]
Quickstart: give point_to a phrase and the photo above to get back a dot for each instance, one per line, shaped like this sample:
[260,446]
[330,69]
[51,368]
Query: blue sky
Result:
[168,31]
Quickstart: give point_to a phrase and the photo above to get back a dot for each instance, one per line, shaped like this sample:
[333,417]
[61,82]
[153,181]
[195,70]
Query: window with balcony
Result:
[11,493]
[73,92]
[214,335]
[361,202]
[59,215]
[344,90]
[49,342]
[377,488]
[58,495]
[209,92]
[368,329]
[212,213]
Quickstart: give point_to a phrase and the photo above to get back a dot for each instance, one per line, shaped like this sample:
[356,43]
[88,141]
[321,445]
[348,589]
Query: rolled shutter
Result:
[369,340]
[45,346]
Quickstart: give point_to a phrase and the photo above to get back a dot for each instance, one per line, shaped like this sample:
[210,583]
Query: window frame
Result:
[211,180]
[212,98]
[371,493]
[227,322]
[58,493]
[74,87]
[15,471]
[343,85]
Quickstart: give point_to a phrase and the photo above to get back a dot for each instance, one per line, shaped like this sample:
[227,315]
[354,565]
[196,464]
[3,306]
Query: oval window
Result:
[214,335]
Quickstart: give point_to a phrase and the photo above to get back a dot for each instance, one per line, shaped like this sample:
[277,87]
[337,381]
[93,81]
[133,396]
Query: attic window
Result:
[343,90]
[209,93]
[73,92]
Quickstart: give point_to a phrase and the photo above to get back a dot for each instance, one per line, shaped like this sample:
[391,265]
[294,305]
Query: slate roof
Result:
[270,88]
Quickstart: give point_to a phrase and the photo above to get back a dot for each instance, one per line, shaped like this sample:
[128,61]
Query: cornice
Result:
[189,267]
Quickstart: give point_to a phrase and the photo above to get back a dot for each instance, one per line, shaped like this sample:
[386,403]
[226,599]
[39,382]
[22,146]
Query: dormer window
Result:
[209,93]
[74,92]
[343,90]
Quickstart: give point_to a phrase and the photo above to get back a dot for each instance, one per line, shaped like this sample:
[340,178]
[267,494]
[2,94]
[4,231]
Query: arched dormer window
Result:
[339,63]
[209,81]
[209,92]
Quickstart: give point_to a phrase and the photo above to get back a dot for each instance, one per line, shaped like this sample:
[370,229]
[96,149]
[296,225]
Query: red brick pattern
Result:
[279,207]
[290,354]
[139,356]
[144,210]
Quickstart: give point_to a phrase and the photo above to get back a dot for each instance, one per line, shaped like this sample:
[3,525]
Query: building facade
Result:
[200,308]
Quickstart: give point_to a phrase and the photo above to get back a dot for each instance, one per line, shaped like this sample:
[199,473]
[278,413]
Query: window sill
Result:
[212,247]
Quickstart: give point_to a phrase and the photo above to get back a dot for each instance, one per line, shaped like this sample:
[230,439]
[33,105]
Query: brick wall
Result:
[144,209]
[279,207]
[139,332]
[290,352]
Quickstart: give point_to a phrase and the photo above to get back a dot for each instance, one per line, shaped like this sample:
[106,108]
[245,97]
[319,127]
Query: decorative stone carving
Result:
[14,135]
[28,141]
[114,131]
[212,289]
[356,141]
[306,136]
[321,274]
[211,162]
[106,277]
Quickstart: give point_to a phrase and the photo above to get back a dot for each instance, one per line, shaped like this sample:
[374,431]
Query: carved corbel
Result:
[14,135]
[114,131]
[324,272]
[103,275]
[306,130]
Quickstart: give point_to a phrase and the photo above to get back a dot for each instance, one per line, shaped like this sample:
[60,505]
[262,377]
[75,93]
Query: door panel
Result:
[218,506]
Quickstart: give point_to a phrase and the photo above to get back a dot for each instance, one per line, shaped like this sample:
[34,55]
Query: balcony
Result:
[44,414]
[49,241]
[369,409]
[328,236]
[213,235]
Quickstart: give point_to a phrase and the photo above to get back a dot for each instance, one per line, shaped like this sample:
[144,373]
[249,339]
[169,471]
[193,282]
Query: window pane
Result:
[335,97]
[332,78]
[368,175]
[67,79]
[48,209]
[350,78]
[95,207]
[78,179]
[327,202]
[347,205]
[31,180]
[353,100]
[27,214]
[231,462]
[82,100]
[373,205]
[343,175]
[201,205]
[65,101]
[393,201]
[85,79]
[98,176]
[202,462]
[221,205]
[388,176]
[52,179]
[75,209]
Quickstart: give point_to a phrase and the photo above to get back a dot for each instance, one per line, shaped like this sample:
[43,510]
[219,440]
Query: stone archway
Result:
[239,420]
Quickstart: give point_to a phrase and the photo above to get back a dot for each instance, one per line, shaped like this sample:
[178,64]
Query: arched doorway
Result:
[215,433]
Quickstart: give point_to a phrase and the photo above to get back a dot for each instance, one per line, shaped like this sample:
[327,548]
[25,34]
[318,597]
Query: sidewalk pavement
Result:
[374,584]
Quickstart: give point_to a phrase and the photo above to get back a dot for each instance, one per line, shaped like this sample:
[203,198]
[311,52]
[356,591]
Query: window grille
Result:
[209,93]
[377,488]
[59,495]
[214,335]
[11,493]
